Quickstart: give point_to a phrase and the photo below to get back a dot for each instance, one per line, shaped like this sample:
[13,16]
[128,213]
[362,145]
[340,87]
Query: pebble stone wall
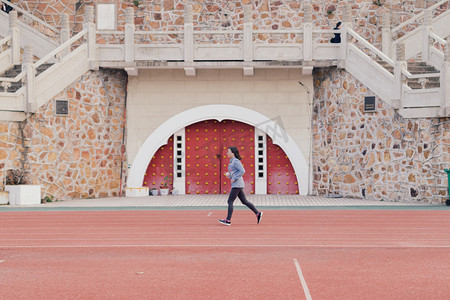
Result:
[74,156]
[373,156]
[379,155]
[224,14]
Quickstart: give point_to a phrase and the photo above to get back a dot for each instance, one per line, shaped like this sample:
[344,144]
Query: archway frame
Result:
[219,112]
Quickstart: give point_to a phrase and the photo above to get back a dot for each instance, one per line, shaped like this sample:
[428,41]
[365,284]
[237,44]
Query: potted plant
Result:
[154,192]
[330,11]
[164,189]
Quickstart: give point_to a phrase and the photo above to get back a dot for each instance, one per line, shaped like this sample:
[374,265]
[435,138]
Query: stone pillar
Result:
[386,34]
[29,82]
[427,29]
[15,38]
[89,25]
[129,35]
[445,82]
[248,39]
[189,41]
[347,23]
[64,35]
[307,33]
[399,67]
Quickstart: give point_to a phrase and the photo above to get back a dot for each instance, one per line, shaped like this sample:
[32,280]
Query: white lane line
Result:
[222,246]
[302,280]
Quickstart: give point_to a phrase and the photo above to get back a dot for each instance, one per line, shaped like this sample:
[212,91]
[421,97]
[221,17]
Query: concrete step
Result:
[16,70]
[417,68]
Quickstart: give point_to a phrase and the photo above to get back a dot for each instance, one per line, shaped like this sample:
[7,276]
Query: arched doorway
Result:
[219,112]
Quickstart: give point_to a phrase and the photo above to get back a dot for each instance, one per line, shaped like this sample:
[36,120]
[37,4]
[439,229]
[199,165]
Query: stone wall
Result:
[78,156]
[224,14]
[374,155]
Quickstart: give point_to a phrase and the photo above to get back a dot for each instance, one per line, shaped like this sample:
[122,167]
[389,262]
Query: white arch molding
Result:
[219,112]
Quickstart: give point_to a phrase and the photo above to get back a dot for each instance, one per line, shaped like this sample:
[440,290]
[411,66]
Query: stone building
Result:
[157,90]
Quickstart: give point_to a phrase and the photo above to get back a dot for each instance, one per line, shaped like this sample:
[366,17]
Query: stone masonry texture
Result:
[74,156]
[374,155]
[364,155]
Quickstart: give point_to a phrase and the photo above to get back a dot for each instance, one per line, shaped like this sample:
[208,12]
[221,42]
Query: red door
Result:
[206,160]
[281,178]
[160,166]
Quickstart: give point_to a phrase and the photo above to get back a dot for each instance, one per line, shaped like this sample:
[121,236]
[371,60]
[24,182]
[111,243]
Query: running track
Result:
[316,254]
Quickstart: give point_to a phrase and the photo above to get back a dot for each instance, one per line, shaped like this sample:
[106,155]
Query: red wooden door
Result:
[206,160]
[202,156]
[240,135]
[160,166]
[281,178]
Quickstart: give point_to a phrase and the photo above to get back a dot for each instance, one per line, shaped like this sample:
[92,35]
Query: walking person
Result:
[235,172]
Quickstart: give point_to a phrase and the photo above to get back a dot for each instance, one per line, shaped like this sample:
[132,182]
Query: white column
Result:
[129,35]
[15,38]
[307,33]
[28,67]
[91,36]
[260,162]
[179,161]
[427,29]
[248,39]
[445,82]
[346,24]
[64,35]
[386,35]
[188,41]
[400,65]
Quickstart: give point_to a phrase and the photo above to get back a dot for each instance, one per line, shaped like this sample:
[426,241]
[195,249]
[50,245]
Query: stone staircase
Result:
[16,70]
[416,68]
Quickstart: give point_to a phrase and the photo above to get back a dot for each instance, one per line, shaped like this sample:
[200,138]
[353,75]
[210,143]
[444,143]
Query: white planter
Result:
[4,197]
[154,192]
[164,192]
[175,192]
[136,192]
[24,194]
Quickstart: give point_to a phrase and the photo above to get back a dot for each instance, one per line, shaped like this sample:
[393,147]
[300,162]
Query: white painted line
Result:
[210,213]
[223,245]
[1,261]
[302,280]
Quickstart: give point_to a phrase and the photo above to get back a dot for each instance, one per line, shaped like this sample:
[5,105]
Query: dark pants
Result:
[238,192]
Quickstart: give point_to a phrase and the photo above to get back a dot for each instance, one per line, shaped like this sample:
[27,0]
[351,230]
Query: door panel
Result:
[240,135]
[160,166]
[202,161]
[281,178]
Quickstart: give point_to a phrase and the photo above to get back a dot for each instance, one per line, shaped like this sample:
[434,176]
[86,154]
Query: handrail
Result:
[418,16]
[60,48]
[159,32]
[371,47]
[15,79]
[415,76]
[437,38]
[5,40]
[36,19]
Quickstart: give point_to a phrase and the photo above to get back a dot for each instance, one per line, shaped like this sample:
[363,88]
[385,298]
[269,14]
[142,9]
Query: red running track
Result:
[189,255]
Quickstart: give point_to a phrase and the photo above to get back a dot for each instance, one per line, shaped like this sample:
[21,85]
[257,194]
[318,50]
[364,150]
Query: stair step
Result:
[16,70]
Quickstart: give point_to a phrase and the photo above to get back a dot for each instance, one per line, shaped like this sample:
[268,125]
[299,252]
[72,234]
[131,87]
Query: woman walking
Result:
[235,172]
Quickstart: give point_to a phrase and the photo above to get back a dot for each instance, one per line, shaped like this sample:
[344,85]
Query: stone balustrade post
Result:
[15,38]
[307,33]
[248,33]
[29,79]
[386,34]
[91,36]
[445,82]
[129,35]
[64,34]
[427,29]
[347,23]
[400,66]
[188,35]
